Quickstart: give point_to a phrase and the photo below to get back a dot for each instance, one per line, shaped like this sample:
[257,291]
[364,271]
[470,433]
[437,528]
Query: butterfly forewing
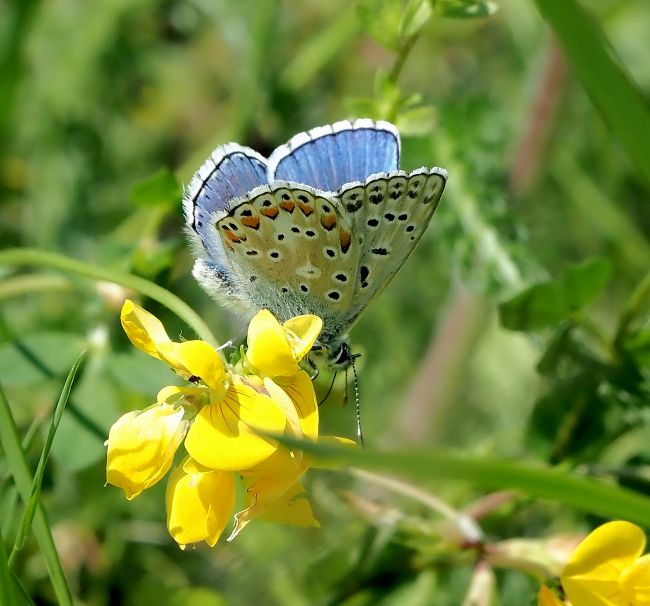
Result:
[389,214]
[231,170]
[293,248]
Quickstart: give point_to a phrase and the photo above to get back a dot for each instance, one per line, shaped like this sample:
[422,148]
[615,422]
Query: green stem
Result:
[21,285]
[42,258]
[430,466]
[402,55]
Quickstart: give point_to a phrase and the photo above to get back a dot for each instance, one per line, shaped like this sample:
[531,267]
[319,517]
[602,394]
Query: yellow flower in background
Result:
[226,420]
[141,447]
[606,569]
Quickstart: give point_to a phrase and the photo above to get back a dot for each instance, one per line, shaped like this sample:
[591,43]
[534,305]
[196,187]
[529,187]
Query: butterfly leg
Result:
[313,368]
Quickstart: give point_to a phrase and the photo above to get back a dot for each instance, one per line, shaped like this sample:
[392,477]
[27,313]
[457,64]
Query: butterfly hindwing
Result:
[292,248]
[389,214]
[329,156]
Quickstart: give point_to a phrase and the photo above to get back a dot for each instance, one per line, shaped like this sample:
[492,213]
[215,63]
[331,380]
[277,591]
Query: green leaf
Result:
[22,476]
[637,345]
[548,303]
[34,498]
[431,465]
[465,9]
[415,17]
[582,283]
[381,20]
[614,93]
[161,188]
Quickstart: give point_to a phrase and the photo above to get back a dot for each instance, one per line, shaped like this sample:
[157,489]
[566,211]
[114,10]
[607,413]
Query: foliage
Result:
[505,377]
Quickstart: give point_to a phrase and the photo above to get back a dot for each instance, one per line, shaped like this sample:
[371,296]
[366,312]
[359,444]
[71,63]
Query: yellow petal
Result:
[266,483]
[300,390]
[144,330]
[302,332]
[591,577]
[546,597]
[226,435]
[195,358]
[269,351]
[285,404]
[292,508]
[635,582]
[175,395]
[199,503]
[141,447]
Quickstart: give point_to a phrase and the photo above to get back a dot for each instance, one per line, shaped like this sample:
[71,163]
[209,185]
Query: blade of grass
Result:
[6,578]
[23,592]
[22,476]
[491,473]
[614,93]
[25,527]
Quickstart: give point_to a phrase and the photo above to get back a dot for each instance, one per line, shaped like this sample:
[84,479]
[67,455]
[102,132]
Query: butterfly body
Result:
[320,227]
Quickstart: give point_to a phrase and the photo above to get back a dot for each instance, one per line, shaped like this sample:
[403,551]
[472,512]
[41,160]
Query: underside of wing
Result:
[389,213]
[329,156]
[292,248]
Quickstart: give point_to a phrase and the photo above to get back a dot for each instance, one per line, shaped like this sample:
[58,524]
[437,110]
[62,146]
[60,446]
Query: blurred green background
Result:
[106,107]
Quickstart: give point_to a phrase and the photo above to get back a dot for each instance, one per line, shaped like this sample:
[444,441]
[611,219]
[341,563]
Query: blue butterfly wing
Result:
[231,171]
[330,156]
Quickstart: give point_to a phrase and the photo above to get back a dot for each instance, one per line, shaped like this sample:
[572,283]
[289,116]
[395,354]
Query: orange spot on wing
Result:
[345,238]
[271,212]
[233,237]
[252,222]
[306,209]
[328,222]
[288,206]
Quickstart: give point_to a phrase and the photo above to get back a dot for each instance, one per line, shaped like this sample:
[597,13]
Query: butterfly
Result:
[319,227]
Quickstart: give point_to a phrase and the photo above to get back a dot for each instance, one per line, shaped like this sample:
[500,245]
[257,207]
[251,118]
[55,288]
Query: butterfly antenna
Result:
[345,391]
[357,402]
[329,389]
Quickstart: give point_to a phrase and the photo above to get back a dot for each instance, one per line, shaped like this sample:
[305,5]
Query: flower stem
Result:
[42,258]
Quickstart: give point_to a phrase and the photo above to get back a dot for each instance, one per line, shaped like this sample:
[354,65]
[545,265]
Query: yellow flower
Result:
[607,568]
[231,413]
[141,447]
[274,353]
[228,433]
[227,422]
[188,358]
[272,491]
[199,503]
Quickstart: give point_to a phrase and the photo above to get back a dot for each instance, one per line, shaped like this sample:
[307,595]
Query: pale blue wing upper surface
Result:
[330,156]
